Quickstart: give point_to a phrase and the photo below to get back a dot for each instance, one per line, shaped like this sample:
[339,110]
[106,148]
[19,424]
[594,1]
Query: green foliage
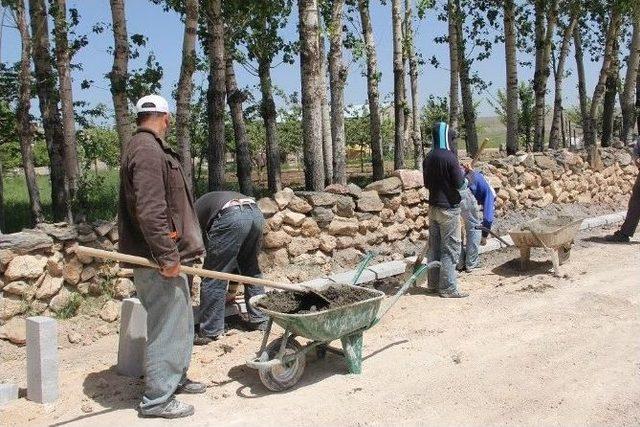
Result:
[72,306]
[526,118]
[97,195]
[436,109]
[99,143]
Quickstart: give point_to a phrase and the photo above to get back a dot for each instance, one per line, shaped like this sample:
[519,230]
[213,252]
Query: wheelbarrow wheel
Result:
[283,376]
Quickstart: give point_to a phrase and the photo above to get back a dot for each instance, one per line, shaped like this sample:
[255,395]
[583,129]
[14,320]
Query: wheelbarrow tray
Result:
[552,232]
[328,325]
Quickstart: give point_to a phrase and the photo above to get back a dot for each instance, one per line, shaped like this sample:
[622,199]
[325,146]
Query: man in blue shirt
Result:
[628,228]
[478,193]
[444,179]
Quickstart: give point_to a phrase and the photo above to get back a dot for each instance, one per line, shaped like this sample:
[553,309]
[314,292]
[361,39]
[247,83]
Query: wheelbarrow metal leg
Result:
[265,337]
[352,346]
[525,256]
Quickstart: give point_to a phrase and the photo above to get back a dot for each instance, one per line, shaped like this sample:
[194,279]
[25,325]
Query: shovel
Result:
[194,271]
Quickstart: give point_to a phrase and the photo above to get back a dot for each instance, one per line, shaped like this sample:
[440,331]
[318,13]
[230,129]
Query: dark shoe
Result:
[257,326]
[200,339]
[457,294]
[431,290]
[617,237]
[171,409]
[191,387]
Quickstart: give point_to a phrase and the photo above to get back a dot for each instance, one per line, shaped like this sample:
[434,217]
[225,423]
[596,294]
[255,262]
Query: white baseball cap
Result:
[152,103]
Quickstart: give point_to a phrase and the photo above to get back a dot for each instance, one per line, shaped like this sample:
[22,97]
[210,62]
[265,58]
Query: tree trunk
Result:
[66,99]
[468,109]
[556,124]
[413,78]
[582,85]
[544,43]
[269,116]
[119,72]
[398,85]
[609,104]
[311,95]
[631,80]
[184,90]
[48,100]
[612,33]
[216,96]
[373,95]
[337,80]
[327,143]
[454,67]
[638,103]
[235,98]
[512,76]
[24,122]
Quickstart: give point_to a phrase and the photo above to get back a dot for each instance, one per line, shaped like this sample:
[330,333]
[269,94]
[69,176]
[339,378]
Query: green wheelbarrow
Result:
[281,362]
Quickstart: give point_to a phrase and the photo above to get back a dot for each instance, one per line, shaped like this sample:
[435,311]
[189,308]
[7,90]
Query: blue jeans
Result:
[471,217]
[167,301]
[444,246]
[233,243]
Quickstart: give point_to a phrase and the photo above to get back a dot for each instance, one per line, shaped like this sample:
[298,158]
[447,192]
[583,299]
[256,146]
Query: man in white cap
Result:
[157,220]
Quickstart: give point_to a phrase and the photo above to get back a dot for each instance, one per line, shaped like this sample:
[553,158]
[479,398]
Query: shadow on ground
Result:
[512,268]
[111,391]
[600,239]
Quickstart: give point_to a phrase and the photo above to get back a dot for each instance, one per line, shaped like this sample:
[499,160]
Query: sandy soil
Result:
[523,349]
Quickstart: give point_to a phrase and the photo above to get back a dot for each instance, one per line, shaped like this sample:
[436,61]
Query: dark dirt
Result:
[291,302]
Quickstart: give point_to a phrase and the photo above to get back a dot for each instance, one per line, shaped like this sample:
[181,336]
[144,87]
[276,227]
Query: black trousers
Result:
[633,213]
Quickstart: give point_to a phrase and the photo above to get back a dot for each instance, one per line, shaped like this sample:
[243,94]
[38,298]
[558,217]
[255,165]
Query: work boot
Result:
[617,237]
[258,326]
[456,294]
[201,339]
[190,387]
[171,409]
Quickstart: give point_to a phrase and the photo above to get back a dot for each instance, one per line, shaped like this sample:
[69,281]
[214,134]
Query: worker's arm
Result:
[147,166]
[488,204]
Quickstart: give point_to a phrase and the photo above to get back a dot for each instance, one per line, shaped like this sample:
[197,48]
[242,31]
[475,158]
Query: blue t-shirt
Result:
[484,194]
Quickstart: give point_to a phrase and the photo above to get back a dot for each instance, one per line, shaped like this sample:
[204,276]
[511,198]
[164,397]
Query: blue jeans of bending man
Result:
[471,217]
[444,246]
[167,301]
[233,243]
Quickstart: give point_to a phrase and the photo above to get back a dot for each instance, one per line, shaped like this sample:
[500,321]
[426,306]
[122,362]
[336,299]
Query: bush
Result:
[71,308]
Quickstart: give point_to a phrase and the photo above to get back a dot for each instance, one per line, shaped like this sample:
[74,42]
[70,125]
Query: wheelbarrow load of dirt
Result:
[554,234]
[346,312]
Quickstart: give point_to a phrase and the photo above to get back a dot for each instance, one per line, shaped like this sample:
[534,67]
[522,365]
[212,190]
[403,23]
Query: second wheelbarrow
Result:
[281,362]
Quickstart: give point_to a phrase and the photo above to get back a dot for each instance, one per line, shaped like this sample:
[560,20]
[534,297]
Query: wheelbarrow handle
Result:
[414,277]
[488,230]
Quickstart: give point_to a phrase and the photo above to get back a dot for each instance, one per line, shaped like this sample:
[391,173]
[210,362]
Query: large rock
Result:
[72,271]
[14,331]
[529,180]
[49,287]
[60,301]
[25,267]
[354,190]
[309,228]
[345,206]
[25,241]
[110,311]
[340,226]
[327,243]
[5,258]
[301,245]
[410,178]
[396,232]
[283,197]
[298,204]
[337,189]
[411,197]
[60,231]
[55,264]
[546,200]
[369,201]
[276,239]
[87,274]
[19,288]
[102,228]
[546,162]
[123,288]
[322,215]
[623,158]
[348,257]
[293,218]
[10,307]
[391,185]
[267,206]
[318,198]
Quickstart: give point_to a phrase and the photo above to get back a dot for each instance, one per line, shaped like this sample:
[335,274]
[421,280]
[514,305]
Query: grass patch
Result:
[72,306]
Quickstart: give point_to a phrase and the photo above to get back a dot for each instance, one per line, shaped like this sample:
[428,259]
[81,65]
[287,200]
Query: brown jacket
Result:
[156,213]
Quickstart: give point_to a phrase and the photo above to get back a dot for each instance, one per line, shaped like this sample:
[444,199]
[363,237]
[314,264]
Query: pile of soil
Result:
[293,302]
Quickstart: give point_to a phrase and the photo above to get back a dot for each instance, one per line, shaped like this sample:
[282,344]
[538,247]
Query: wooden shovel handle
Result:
[193,271]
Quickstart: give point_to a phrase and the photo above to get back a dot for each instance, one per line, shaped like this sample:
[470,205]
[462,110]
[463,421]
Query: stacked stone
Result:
[343,222]
[39,270]
[537,180]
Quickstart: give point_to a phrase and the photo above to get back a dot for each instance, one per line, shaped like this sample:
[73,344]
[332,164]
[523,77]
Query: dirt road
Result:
[523,349]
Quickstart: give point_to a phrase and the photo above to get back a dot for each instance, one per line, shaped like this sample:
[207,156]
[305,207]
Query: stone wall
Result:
[307,234]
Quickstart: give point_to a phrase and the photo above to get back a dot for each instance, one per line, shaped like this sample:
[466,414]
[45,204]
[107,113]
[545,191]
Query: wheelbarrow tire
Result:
[283,377]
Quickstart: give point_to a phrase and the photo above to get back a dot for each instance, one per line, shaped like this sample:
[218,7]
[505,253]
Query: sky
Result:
[165,31]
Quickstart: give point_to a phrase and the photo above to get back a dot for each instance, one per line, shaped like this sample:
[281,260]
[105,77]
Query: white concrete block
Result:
[42,359]
[8,392]
[132,339]
[388,269]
